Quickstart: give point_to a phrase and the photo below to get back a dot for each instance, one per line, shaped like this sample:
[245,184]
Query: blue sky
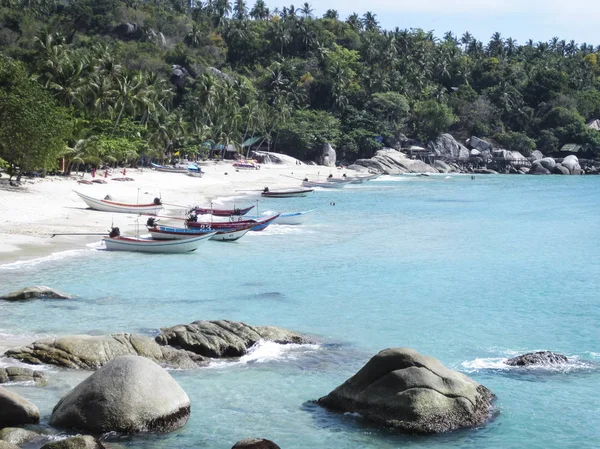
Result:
[539,20]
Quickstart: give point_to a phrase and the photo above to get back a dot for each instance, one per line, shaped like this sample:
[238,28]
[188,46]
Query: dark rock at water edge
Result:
[78,442]
[93,352]
[403,389]
[19,374]
[255,443]
[16,410]
[538,169]
[130,394]
[14,435]
[560,169]
[224,338]
[33,293]
[538,358]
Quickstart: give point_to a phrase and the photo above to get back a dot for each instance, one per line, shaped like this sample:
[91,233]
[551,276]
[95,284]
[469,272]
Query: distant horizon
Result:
[538,20]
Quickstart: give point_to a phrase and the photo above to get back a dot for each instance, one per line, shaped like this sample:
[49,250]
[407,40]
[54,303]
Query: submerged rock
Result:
[93,352]
[255,443]
[16,410]
[130,394]
[414,393]
[14,435]
[224,338]
[538,358]
[18,374]
[78,442]
[34,293]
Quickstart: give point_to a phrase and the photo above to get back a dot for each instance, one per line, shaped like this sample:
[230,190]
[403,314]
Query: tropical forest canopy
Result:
[107,81]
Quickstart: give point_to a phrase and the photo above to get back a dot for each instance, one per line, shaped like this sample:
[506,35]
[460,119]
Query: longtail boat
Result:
[256,225]
[164,168]
[221,212]
[285,193]
[117,242]
[326,184]
[172,233]
[107,205]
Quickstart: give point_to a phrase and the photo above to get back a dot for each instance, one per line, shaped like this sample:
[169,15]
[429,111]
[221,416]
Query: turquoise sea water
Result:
[470,272]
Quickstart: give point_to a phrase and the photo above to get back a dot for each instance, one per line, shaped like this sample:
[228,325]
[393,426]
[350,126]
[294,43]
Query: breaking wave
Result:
[268,351]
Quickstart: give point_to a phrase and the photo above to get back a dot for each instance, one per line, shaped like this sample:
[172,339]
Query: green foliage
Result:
[306,131]
[33,128]
[514,141]
[431,118]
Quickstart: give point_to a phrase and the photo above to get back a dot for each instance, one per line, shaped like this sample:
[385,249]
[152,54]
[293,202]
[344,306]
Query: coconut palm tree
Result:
[370,22]
[240,11]
[331,14]
[259,11]
[306,10]
[354,21]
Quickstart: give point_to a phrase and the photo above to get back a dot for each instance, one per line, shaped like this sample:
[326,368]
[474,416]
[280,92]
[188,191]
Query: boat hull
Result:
[166,233]
[326,185]
[140,245]
[256,225]
[111,206]
[222,212]
[287,194]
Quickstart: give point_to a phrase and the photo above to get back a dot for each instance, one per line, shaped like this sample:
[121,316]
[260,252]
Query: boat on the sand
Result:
[117,242]
[256,225]
[173,233]
[285,193]
[107,205]
[325,184]
[221,212]
[168,169]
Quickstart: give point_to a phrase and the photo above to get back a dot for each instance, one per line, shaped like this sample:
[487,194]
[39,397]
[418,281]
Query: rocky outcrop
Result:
[443,167]
[447,147]
[485,171]
[538,358]
[572,164]
[34,293]
[14,435]
[538,169]
[480,144]
[537,155]
[327,156]
[16,410]
[19,374]
[414,393]
[179,75]
[224,338]
[130,394]
[560,169]
[93,352]
[78,442]
[255,443]
[128,30]
[393,162]
[548,163]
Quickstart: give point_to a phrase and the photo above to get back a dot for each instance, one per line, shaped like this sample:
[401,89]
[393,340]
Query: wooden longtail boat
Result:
[116,242]
[108,205]
[285,193]
[172,233]
[164,168]
[257,225]
[326,184]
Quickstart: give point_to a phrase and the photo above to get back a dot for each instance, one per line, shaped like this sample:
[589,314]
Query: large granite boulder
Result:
[327,156]
[538,169]
[14,435]
[130,394]
[480,144]
[179,75]
[34,293]
[393,162]
[224,338]
[93,352]
[78,442]
[536,155]
[560,169]
[128,30]
[414,393]
[255,443]
[543,358]
[16,410]
[446,146]
[19,374]
[548,163]
[572,164]
[442,167]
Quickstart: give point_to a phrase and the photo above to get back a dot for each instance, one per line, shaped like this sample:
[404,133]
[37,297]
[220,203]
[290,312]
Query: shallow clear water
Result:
[469,272]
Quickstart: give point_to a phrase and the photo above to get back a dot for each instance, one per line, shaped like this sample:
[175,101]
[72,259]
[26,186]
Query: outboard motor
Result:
[114,232]
[266,189]
[157,201]
[193,218]
[151,222]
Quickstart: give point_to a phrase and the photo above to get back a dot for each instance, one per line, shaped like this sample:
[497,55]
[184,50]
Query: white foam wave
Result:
[575,363]
[484,363]
[61,255]
[268,351]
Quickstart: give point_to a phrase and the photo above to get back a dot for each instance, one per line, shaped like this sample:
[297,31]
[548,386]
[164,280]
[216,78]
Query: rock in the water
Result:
[393,162]
[78,442]
[485,171]
[548,163]
[414,393]
[572,164]
[538,358]
[446,146]
[538,169]
[16,410]
[14,435]
[255,443]
[480,144]
[92,352]
[33,293]
[327,156]
[130,394]
[18,374]
[560,169]
[224,338]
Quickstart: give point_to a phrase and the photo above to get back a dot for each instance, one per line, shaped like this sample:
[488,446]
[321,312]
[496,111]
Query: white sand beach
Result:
[45,206]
